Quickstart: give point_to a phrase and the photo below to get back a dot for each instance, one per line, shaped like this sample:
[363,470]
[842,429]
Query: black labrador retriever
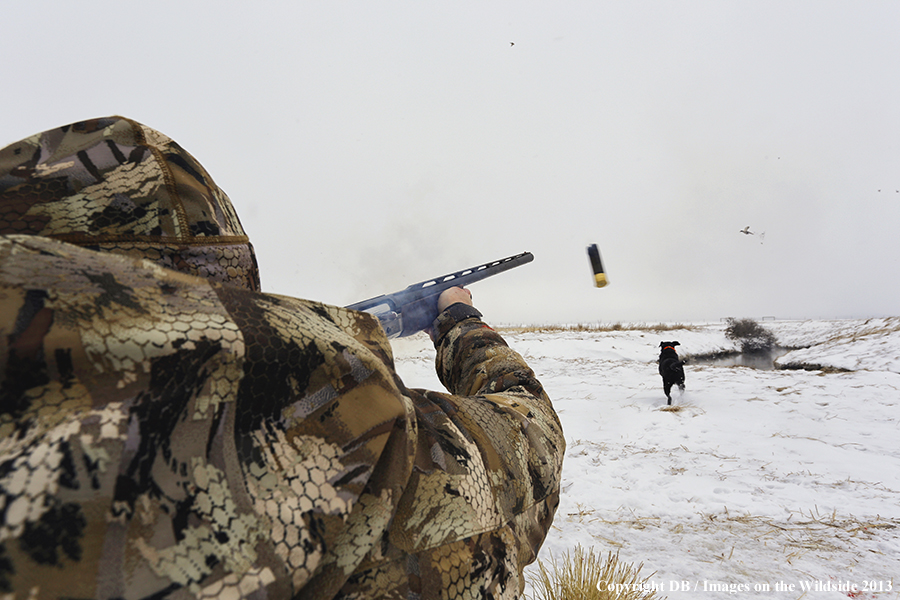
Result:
[671,368]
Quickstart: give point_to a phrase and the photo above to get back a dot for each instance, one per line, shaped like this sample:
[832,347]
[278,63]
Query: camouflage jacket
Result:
[167,435]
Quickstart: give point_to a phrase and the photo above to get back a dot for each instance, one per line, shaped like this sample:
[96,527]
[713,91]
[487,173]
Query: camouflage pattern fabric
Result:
[168,436]
[113,184]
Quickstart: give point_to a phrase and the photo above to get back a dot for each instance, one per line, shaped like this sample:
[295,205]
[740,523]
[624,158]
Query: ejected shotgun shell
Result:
[600,279]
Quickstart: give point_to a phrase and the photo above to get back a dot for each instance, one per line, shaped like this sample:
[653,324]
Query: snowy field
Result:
[763,484]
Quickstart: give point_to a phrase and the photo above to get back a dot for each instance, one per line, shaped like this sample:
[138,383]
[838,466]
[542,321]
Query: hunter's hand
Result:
[452,296]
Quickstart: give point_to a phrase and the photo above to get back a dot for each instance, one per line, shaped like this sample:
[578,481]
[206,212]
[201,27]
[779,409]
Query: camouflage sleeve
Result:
[474,359]
[485,486]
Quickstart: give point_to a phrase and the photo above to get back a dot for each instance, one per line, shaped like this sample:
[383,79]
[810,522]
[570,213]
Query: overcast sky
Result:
[369,145]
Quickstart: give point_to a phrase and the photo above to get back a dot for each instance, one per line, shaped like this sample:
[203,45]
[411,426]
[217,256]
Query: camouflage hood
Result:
[115,185]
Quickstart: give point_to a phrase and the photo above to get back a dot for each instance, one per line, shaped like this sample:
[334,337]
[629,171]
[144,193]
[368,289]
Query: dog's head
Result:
[668,346]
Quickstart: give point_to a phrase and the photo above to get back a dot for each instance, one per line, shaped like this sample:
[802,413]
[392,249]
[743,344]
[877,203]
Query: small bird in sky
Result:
[512,43]
[746,230]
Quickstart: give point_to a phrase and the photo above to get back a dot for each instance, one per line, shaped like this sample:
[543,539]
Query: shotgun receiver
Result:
[413,309]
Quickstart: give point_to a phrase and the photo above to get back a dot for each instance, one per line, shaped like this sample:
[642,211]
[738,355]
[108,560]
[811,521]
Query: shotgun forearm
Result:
[413,309]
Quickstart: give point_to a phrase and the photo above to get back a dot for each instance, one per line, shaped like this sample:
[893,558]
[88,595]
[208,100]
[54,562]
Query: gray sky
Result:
[370,145]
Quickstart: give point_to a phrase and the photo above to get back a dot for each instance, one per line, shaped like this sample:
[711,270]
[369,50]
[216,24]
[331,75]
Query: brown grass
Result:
[589,576]
[828,535]
[597,328]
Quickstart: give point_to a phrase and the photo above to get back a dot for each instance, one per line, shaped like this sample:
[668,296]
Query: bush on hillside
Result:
[752,336]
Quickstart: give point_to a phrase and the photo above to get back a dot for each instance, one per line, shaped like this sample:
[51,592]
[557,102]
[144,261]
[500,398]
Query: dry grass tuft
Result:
[588,576]
[683,407]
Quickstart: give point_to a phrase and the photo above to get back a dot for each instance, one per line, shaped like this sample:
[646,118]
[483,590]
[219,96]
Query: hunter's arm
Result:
[473,359]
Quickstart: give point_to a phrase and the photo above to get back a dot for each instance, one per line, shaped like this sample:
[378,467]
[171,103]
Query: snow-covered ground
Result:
[765,483]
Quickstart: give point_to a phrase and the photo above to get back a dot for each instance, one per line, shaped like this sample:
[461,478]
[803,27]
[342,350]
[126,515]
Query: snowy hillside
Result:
[763,483]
